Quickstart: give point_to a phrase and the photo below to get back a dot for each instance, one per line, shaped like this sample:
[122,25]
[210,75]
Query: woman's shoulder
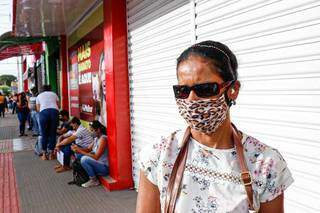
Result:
[257,149]
[167,143]
[153,155]
[268,168]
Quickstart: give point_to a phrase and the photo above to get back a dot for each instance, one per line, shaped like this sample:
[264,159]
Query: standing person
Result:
[2,104]
[22,111]
[7,103]
[221,168]
[14,103]
[47,106]
[81,136]
[10,106]
[30,124]
[34,115]
[94,159]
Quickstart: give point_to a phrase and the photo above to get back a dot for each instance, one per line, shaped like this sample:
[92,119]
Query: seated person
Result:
[81,136]
[65,126]
[94,159]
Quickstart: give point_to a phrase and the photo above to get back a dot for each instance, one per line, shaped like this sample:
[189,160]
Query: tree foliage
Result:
[7,79]
[5,89]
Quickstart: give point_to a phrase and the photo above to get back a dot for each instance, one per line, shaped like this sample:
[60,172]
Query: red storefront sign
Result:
[87,77]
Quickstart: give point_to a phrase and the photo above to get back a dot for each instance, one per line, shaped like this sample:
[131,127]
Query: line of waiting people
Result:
[89,147]
[7,102]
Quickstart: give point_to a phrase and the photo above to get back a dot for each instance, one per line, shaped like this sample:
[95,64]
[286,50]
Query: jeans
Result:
[14,107]
[2,109]
[48,123]
[35,122]
[22,117]
[67,152]
[94,167]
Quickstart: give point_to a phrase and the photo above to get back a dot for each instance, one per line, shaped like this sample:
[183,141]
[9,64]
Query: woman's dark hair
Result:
[75,120]
[46,88]
[218,54]
[97,125]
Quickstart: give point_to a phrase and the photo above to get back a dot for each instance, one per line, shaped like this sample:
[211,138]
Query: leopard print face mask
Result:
[204,115]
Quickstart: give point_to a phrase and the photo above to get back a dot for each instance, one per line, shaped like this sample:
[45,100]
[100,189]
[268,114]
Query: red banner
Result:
[87,77]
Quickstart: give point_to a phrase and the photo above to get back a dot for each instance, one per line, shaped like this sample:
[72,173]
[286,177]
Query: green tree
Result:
[5,89]
[7,79]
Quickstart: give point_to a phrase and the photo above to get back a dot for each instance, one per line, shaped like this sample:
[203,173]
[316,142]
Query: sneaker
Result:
[91,182]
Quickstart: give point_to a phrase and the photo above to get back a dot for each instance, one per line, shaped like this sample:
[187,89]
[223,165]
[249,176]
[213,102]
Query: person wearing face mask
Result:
[81,136]
[94,159]
[212,166]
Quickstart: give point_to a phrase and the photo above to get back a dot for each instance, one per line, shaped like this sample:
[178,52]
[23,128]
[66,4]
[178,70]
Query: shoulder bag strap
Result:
[179,166]
[245,175]
[177,174]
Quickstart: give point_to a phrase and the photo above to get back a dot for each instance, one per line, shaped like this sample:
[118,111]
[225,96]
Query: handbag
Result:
[80,175]
[179,166]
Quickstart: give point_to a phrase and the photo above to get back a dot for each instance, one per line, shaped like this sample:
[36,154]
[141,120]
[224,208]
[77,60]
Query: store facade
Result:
[98,83]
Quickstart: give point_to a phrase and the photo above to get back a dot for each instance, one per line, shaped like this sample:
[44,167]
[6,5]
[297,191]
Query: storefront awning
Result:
[11,46]
[18,50]
[49,18]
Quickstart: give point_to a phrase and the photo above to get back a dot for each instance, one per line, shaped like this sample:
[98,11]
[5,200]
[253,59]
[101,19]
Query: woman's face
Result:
[197,70]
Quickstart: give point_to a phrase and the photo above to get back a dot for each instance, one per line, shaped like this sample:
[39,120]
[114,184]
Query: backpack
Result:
[80,175]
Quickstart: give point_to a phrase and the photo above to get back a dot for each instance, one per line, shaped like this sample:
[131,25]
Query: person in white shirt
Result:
[47,105]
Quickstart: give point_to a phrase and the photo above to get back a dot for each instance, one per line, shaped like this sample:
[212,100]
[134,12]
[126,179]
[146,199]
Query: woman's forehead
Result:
[197,69]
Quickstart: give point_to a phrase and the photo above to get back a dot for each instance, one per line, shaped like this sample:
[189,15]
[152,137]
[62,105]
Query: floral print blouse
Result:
[211,181]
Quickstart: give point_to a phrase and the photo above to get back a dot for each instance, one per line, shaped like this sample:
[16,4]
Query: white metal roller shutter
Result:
[157,32]
[277,43]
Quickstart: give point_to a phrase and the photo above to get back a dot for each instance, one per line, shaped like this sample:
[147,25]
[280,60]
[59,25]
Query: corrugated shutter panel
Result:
[278,47]
[158,32]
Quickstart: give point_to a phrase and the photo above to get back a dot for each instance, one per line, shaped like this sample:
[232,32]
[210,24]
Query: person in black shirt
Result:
[65,126]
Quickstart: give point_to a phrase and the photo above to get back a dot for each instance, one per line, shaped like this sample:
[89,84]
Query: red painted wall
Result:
[64,73]
[118,108]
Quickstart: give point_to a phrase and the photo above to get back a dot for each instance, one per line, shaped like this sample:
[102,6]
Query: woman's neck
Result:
[221,139]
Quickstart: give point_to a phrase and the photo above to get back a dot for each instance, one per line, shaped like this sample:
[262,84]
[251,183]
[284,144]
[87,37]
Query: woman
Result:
[211,182]
[47,103]
[95,158]
[2,104]
[23,111]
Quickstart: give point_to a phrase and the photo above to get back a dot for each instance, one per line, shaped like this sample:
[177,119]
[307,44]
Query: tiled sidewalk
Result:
[28,184]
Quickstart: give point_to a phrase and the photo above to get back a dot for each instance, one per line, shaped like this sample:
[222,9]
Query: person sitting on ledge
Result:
[81,136]
[65,126]
[94,159]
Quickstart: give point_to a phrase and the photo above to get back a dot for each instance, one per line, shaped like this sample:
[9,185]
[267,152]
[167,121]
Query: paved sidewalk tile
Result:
[43,190]
[28,184]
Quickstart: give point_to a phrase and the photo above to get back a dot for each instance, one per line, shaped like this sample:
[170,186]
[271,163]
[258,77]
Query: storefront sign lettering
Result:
[84,53]
[85,78]
[86,108]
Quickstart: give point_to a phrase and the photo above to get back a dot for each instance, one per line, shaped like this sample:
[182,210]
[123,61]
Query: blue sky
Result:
[8,66]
